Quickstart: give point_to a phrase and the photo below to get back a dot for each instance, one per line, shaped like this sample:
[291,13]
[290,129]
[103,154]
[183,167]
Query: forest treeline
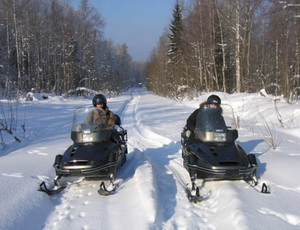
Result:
[48,46]
[210,45]
[230,46]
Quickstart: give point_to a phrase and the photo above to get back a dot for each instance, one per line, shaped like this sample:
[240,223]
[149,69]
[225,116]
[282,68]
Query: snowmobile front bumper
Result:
[219,173]
[97,171]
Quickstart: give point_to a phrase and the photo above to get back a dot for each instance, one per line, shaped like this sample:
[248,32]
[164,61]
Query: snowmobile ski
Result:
[106,190]
[103,191]
[265,189]
[194,194]
[56,189]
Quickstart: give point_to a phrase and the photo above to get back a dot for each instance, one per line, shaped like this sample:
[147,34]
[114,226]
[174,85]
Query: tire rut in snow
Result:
[139,135]
[157,185]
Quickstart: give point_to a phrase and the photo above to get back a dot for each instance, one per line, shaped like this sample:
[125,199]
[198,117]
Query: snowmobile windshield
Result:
[90,125]
[213,118]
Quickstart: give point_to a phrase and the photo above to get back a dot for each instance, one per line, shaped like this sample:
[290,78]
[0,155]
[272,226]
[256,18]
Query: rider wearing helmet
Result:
[213,101]
[101,115]
[99,99]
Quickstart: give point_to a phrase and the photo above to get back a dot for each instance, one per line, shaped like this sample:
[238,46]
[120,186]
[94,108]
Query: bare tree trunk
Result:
[262,59]
[214,76]
[247,37]
[222,47]
[205,73]
[17,45]
[297,61]
[276,66]
[237,48]
[8,72]
[29,77]
[199,64]
[286,66]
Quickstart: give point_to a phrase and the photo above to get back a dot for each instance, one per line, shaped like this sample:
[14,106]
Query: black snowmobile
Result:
[211,153]
[97,153]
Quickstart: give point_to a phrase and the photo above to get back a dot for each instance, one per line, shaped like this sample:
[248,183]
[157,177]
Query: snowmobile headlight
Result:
[87,137]
[219,136]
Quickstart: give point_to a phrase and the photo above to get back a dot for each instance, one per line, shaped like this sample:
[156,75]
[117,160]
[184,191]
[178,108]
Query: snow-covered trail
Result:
[156,141]
[160,178]
[151,152]
[82,204]
[141,179]
[152,182]
[153,178]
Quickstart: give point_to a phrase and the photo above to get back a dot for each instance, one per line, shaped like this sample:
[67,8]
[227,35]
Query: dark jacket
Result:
[191,121]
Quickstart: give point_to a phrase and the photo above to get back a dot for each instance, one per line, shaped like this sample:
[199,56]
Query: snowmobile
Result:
[96,152]
[211,152]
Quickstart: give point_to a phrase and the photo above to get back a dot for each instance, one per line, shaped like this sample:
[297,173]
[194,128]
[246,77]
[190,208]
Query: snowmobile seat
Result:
[117,120]
[120,130]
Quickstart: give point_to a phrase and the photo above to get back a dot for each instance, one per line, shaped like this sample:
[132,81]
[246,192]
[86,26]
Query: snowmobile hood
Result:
[219,155]
[89,154]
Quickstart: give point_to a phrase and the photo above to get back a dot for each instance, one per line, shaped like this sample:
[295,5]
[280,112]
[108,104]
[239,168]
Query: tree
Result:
[156,68]
[90,26]
[124,74]
[47,46]
[176,51]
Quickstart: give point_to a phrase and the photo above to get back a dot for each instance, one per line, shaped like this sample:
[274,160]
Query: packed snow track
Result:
[151,184]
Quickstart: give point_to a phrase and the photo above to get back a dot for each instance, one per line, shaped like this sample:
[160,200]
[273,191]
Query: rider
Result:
[213,101]
[101,115]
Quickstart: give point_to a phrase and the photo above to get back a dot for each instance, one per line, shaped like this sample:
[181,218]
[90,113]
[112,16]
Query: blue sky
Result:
[138,23]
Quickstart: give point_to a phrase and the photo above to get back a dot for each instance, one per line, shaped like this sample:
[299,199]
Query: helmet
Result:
[99,99]
[214,99]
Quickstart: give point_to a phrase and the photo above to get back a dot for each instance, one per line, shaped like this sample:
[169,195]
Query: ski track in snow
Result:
[163,161]
[84,196]
[142,139]
[143,144]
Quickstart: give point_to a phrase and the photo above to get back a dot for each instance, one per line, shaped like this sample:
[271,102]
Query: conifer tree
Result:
[175,53]
[175,35]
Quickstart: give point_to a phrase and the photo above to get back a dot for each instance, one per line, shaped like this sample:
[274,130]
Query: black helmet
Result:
[214,99]
[99,99]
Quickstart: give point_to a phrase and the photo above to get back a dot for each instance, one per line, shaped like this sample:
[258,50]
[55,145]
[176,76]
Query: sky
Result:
[137,23]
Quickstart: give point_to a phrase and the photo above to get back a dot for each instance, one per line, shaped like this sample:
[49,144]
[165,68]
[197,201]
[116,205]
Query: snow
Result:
[151,193]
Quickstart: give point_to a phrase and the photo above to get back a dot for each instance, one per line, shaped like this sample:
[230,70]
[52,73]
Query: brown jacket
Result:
[100,116]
